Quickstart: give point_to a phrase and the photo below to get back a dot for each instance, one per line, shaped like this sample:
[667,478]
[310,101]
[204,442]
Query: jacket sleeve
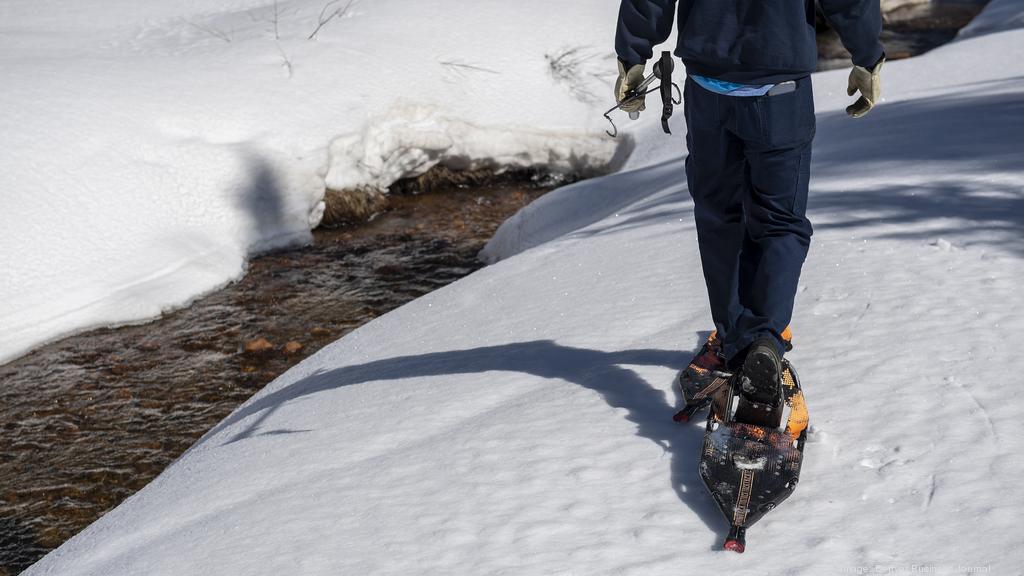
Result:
[643,24]
[859,24]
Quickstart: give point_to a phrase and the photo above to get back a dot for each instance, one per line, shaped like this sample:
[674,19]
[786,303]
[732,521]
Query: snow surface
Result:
[150,146]
[998,15]
[519,420]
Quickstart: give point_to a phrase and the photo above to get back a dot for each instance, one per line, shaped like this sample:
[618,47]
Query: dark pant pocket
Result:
[787,119]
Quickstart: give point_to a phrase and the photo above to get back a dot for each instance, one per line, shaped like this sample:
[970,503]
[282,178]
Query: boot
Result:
[705,377]
[759,385]
[710,357]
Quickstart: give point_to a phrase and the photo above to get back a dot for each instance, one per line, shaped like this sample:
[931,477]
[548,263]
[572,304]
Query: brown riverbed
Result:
[87,421]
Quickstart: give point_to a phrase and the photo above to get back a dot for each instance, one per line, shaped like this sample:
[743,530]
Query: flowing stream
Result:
[89,420]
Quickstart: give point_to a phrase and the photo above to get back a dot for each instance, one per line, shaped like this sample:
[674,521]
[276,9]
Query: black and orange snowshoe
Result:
[751,467]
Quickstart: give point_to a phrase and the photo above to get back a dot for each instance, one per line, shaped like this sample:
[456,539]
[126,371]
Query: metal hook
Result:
[614,131]
[634,96]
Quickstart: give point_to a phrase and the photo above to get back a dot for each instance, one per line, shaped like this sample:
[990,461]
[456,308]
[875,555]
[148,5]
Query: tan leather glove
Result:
[628,80]
[869,83]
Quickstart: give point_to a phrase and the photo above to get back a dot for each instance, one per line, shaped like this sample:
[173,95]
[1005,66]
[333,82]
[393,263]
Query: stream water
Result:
[87,421]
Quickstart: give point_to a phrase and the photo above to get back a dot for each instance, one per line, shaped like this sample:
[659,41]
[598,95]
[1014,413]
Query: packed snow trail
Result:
[519,420]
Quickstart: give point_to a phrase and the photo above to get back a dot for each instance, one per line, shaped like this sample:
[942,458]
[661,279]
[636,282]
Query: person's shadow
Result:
[603,372]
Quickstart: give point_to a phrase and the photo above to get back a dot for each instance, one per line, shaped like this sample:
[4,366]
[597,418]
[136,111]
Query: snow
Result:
[519,421]
[888,5]
[150,147]
[998,15]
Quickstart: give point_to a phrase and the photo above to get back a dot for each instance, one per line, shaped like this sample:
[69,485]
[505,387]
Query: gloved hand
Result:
[869,83]
[628,80]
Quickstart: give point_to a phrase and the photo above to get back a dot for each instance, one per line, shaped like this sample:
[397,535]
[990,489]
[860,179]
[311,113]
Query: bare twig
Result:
[212,31]
[452,64]
[277,35]
[326,15]
[570,68]
[271,14]
[284,56]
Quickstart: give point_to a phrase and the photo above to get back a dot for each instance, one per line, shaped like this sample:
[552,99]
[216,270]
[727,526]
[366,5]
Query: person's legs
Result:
[777,132]
[750,259]
[782,234]
[715,168]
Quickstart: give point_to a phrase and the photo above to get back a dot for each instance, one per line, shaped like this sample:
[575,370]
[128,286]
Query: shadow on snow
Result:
[965,139]
[603,372]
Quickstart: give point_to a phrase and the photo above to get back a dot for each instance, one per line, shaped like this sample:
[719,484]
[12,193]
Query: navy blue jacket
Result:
[747,41]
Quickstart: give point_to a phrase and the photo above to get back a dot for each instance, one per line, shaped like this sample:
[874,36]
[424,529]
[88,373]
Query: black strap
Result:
[666,65]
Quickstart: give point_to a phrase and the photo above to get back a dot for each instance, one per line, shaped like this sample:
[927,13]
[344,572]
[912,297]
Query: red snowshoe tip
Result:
[734,546]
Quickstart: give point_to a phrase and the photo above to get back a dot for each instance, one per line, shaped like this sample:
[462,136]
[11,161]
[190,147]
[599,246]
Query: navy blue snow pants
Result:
[748,170]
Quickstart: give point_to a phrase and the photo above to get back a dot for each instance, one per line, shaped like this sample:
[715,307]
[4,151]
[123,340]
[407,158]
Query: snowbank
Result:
[997,16]
[888,5]
[519,421]
[150,146]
